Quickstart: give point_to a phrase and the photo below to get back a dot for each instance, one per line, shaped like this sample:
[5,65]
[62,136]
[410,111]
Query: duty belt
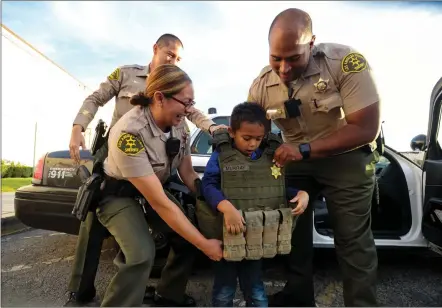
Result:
[119,188]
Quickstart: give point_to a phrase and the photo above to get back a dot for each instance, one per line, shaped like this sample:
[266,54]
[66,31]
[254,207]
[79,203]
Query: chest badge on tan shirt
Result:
[184,136]
[321,86]
[276,171]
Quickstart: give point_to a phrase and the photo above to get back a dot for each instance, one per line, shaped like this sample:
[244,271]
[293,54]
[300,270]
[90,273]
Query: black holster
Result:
[88,196]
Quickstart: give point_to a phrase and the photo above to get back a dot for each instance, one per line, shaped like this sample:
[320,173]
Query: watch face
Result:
[304,147]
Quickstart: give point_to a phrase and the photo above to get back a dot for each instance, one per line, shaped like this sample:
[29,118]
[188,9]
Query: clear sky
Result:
[226,46]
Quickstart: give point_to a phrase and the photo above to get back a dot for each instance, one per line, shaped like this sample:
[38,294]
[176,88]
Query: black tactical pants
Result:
[347,182]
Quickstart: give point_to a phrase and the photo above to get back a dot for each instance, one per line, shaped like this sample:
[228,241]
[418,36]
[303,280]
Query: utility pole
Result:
[35,145]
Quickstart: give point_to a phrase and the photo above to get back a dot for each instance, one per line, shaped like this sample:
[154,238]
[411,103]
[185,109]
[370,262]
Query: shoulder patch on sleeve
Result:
[353,63]
[130,144]
[115,74]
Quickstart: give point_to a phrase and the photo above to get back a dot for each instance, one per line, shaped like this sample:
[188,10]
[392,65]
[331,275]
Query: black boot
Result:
[280,299]
[160,301]
[74,301]
[150,293]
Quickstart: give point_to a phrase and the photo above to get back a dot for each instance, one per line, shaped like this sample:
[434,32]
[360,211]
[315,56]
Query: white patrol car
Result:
[408,212]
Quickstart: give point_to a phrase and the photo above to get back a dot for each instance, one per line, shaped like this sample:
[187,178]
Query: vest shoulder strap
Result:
[220,137]
[271,142]
[223,143]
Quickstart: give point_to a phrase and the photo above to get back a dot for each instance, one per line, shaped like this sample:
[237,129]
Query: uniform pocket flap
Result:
[327,103]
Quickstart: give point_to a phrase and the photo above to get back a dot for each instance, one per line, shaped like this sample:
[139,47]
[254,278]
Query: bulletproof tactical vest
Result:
[248,183]
[257,189]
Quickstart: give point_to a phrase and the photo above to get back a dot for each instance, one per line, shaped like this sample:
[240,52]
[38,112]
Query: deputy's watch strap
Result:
[304,149]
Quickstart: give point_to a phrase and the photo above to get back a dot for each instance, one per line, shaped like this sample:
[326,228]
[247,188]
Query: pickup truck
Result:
[406,207]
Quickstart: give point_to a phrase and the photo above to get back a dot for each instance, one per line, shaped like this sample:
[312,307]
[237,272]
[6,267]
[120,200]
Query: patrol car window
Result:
[201,145]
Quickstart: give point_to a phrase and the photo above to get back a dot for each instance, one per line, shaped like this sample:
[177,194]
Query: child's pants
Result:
[249,273]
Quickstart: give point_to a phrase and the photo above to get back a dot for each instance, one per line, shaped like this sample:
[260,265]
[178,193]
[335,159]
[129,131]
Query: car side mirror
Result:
[419,143]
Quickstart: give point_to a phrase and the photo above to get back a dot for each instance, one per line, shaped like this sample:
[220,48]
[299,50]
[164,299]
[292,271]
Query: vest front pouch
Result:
[270,233]
[254,230]
[234,245]
[209,223]
[284,245]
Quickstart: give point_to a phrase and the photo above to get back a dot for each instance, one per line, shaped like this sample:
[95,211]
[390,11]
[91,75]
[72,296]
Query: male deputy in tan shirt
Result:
[324,100]
[122,84]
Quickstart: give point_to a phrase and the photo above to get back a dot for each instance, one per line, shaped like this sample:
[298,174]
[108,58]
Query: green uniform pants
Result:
[124,219]
[174,276]
[347,182]
[177,271]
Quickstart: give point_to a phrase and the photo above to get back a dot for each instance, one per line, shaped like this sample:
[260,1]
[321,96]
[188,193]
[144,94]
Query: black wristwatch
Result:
[304,149]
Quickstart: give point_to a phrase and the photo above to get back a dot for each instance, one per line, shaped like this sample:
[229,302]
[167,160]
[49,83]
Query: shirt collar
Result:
[145,72]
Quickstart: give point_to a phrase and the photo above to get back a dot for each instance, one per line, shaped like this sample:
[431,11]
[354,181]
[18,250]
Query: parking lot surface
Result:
[36,265]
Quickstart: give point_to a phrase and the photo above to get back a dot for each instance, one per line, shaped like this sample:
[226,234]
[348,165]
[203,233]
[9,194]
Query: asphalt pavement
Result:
[36,265]
[9,223]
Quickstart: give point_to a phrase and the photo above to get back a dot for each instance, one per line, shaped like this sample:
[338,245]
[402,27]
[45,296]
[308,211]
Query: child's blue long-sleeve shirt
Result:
[211,182]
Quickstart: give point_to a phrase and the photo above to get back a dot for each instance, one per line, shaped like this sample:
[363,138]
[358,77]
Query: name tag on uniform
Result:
[236,168]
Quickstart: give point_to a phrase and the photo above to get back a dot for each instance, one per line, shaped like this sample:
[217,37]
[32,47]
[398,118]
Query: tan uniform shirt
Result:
[137,147]
[337,82]
[124,82]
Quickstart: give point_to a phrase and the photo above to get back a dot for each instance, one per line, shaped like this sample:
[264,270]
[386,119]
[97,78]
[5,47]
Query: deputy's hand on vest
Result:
[232,217]
[286,153]
[213,249]
[216,127]
[302,199]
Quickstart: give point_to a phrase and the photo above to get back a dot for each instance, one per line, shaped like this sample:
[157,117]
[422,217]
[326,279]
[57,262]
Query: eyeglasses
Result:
[187,105]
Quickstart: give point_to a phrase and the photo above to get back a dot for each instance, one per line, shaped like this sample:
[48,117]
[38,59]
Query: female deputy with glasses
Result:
[145,145]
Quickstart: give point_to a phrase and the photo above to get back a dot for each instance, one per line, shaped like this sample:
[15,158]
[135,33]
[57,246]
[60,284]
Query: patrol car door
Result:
[432,176]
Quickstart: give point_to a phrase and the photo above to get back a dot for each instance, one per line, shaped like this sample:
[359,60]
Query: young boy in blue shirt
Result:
[248,126]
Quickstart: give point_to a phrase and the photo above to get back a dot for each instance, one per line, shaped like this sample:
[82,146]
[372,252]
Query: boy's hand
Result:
[232,217]
[302,198]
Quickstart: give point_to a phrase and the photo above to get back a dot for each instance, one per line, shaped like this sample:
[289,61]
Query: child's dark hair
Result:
[249,112]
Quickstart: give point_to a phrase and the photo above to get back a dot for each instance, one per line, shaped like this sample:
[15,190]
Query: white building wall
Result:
[36,90]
